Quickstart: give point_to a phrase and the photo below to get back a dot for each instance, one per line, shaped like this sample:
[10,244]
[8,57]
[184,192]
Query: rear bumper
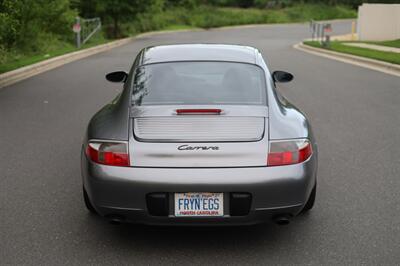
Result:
[275,190]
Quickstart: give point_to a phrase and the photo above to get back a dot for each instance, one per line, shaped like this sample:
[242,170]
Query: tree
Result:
[117,11]
[28,24]
[9,24]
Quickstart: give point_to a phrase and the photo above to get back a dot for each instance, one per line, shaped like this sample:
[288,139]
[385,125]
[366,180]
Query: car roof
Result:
[199,52]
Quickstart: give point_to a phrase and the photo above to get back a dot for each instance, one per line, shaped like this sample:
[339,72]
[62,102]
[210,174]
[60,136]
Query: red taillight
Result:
[289,152]
[109,153]
[198,111]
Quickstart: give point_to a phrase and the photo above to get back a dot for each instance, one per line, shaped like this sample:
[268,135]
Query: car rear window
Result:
[199,83]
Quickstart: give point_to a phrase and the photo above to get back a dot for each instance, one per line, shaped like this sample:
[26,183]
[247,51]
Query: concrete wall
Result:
[377,22]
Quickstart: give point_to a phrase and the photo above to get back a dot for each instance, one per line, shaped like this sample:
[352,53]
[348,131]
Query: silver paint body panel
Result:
[158,165]
[235,138]
[224,154]
[199,52]
[275,190]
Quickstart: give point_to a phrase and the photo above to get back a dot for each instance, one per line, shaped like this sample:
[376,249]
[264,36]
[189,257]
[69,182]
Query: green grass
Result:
[16,59]
[389,57]
[210,17]
[179,18]
[393,43]
[20,60]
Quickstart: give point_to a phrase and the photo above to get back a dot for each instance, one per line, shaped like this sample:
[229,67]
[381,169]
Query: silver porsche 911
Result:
[199,135]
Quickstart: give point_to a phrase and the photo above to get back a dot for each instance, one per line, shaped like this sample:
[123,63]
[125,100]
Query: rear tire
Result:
[88,204]
[311,200]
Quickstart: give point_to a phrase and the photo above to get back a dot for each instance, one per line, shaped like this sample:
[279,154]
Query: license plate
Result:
[199,204]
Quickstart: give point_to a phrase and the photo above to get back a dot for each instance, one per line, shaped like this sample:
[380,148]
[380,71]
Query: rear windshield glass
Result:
[199,83]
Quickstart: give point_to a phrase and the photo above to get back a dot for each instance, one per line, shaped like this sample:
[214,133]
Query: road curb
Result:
[22,73]
[376,65]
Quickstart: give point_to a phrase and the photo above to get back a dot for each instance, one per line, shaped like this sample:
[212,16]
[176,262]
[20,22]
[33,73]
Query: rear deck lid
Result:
[164,138]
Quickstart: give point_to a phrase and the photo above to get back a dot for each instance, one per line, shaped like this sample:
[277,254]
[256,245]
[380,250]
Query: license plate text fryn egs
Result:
[199,204]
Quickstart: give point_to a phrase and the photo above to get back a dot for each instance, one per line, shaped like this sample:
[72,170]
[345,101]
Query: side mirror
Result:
[118,76]
[282,76]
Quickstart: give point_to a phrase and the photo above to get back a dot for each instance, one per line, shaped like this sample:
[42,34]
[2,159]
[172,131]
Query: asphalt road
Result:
[355,113]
